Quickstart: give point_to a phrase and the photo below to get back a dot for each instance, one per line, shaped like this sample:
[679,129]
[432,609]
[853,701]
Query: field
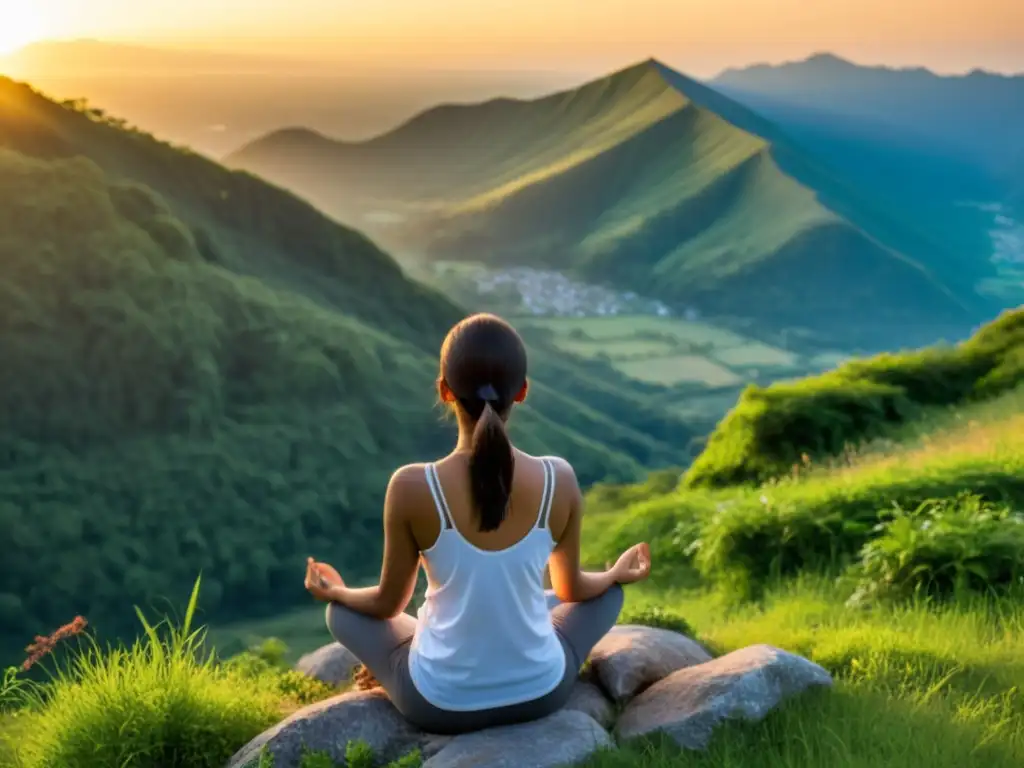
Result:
[672,351]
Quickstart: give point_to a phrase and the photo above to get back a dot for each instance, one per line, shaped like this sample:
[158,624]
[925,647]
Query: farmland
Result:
[702,362]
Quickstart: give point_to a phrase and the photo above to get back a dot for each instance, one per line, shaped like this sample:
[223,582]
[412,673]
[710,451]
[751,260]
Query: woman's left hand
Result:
[322,580]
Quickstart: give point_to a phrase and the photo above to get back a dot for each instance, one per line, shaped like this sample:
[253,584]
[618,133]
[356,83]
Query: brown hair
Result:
[483,362]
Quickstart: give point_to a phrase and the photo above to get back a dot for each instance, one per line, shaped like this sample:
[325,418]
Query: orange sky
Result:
[700,36]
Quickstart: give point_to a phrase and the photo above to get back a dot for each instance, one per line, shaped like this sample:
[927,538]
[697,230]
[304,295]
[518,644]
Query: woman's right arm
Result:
[572,584]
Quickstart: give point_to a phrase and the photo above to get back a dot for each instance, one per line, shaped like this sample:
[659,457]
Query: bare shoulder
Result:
[408,489]
[565,475]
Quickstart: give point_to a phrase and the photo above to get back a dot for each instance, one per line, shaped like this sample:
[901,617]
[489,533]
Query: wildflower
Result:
[44,645]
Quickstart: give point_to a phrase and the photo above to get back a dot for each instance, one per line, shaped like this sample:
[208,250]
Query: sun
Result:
[20,24]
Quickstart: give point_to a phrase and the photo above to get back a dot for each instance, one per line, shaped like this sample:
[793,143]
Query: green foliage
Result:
[656,616]
[265,664]
[771,430]
[944,547]
[203,373]
[159,702]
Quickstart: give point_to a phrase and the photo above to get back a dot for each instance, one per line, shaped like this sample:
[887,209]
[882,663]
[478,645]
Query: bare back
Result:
[524,502]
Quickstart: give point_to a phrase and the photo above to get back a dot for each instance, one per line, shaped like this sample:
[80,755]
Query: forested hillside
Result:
[202,372]
[648,181]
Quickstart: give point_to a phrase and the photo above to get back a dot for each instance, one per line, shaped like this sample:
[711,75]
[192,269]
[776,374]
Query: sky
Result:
[698,36]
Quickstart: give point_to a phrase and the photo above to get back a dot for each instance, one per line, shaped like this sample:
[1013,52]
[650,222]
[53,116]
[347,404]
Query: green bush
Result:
[823,524]
[266,664]
[159,702]
[773,429]
[942,548]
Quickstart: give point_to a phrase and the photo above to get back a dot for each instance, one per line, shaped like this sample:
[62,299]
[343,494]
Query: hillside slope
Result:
[977,114]
[214,376]
[645,180]
[923,144]
[781,428]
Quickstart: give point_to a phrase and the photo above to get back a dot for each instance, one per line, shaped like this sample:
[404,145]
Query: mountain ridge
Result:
[205,373]
[454,171]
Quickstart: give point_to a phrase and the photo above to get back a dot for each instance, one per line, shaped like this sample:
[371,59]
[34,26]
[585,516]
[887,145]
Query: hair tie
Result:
[487,394]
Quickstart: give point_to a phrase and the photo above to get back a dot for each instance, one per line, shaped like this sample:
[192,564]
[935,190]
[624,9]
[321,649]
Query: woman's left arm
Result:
[401,557]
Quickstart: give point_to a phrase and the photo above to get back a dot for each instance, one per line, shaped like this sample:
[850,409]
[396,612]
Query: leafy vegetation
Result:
[202,373]
[773,429]
[642,180]
[897,569]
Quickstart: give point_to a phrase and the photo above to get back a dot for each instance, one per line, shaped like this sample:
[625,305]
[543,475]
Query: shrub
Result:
[159,702]
[823,525]
[943,547]
[771,429]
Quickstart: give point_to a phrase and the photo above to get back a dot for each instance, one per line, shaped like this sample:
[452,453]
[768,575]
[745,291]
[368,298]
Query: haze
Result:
[589,36]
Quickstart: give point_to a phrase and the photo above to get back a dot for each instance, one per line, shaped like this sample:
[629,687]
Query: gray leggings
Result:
[382,645]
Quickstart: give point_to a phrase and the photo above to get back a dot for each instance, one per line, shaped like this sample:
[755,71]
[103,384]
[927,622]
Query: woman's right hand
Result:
[633,565]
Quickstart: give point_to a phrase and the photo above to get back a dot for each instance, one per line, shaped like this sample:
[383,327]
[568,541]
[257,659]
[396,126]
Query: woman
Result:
[490,647]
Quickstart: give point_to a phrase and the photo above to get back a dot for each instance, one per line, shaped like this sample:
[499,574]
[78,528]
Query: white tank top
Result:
[484,638]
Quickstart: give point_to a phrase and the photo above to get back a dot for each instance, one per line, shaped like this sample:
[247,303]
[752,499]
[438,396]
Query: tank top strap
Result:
[440,502]
[548,496]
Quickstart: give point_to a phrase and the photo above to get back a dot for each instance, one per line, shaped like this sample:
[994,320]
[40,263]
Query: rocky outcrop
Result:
[746,684]
[631,657]
[561,739]
[661,681]
[332,664]
[329,725]
[590,700]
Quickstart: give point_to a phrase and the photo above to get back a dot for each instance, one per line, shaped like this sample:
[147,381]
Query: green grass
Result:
[928,671]
[916,685]
[927,660]
[771,429]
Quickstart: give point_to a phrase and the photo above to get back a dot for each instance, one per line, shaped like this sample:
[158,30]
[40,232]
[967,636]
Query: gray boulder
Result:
[332,664]
[331,724]
[631,657]
[561,739]
[746,684]
[590,700]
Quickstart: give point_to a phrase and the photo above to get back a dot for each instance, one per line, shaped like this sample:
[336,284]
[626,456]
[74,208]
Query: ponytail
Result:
[491,463]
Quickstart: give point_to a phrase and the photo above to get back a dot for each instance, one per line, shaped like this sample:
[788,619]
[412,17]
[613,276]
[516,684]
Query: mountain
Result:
[645,180]
[203,372]
[979,113]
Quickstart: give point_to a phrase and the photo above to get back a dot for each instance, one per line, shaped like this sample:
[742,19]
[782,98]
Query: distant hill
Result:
[979,113]
[203,372]
[965,126]
[645,180]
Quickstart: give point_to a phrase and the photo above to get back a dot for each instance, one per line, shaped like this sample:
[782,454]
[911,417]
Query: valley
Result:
[650,182]
[780,341]
[700,364]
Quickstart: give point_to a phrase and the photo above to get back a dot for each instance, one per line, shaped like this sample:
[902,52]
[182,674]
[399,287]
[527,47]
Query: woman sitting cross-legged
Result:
[490,647]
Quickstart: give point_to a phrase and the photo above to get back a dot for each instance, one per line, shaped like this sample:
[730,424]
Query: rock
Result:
[631,657]
[333,664]
[748,683]
[590,700]
[564,738]
[331,724]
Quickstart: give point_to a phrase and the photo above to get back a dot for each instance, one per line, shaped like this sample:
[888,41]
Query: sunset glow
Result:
[20,24]
[697,35]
